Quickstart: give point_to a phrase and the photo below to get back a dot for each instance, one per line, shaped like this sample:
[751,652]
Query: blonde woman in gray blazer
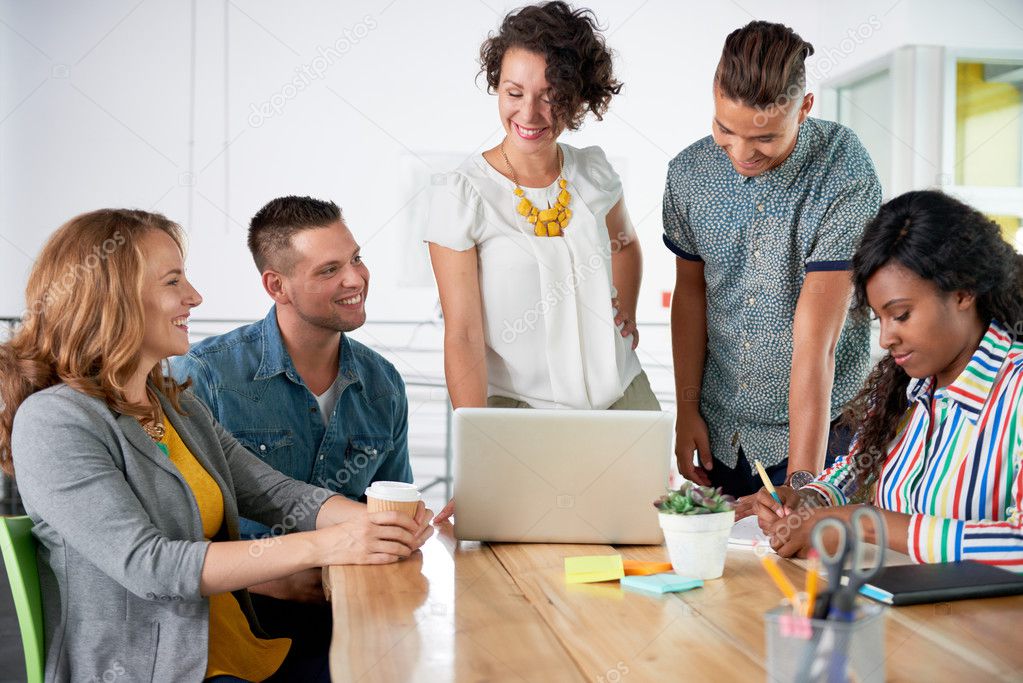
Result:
[125,567]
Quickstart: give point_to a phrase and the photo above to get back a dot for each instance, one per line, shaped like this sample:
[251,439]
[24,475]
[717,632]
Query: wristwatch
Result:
[799,479]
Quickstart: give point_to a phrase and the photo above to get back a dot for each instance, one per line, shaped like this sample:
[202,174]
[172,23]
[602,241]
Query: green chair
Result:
[19,552]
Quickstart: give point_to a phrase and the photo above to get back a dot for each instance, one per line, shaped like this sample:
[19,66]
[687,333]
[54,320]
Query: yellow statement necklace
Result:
[546,222]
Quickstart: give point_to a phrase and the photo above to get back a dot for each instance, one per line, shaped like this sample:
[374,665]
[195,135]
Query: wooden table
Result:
[464,611]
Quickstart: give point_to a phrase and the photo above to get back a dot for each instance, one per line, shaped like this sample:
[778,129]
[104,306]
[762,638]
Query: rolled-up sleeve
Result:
[838,484]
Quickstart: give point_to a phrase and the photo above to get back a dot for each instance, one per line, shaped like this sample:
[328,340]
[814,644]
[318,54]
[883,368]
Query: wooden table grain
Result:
[462,611]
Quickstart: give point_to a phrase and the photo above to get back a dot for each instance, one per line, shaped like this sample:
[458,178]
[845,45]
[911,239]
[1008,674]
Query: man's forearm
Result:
[273,589]
[813,376]
[820,315]
[688,346]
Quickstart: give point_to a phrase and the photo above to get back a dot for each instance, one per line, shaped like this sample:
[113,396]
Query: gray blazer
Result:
[121,542]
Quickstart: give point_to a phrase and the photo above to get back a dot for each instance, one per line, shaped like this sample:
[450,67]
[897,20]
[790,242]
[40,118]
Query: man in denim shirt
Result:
[764,216]
[297,392]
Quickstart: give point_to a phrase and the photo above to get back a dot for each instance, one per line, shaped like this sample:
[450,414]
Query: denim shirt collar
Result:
[275,359]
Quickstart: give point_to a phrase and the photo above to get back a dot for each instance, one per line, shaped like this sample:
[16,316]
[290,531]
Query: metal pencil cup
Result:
[824,650]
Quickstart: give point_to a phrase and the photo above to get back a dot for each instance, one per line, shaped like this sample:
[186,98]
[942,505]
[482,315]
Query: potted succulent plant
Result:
[696,521]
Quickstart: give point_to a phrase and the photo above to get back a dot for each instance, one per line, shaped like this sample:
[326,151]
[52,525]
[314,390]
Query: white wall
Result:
[987,24]
[152,105]
[118,129]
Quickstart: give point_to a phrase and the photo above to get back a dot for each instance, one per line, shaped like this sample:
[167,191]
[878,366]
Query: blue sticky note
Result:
[661,583]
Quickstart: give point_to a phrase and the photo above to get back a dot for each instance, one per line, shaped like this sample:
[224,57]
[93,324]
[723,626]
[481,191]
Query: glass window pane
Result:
[866,107]
[1011,231]
[989,144]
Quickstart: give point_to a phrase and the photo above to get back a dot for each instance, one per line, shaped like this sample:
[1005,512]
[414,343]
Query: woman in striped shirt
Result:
[939,424]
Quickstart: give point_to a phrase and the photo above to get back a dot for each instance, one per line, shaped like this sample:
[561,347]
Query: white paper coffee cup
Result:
[393,495]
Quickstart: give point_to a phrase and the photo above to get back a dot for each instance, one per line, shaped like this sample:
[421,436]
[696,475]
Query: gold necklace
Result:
[547,222]
[154,428]
[155,431]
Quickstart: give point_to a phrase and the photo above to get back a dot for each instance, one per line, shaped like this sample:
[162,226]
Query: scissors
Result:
[833,562]
[839,601]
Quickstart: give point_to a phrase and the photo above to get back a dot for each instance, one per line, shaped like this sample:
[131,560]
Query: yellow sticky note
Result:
[592,568]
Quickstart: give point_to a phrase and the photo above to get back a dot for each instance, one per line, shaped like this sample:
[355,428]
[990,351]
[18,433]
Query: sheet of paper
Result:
[746,533]
[592,568]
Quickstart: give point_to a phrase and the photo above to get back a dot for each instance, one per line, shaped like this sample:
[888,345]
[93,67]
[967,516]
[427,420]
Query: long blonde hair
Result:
[84,319]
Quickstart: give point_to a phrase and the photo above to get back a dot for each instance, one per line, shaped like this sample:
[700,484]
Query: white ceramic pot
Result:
[697,544]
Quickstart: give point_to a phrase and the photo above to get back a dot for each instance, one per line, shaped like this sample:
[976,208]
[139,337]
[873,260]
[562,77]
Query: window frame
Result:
[994,200]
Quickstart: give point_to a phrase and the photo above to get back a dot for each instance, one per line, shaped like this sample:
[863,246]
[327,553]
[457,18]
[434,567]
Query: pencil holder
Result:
[825,650]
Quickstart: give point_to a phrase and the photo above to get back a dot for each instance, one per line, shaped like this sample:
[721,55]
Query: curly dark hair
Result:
[958,249]
[579,67]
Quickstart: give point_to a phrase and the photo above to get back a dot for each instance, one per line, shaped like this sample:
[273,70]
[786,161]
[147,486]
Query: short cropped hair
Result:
[272,227]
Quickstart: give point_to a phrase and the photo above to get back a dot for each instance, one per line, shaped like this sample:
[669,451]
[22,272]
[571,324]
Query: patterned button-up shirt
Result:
[758,238]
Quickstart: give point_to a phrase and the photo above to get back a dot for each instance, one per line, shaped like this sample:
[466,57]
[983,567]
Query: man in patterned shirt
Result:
[764,216]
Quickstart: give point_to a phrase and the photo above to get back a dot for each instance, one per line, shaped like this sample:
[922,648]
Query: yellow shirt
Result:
[234,649]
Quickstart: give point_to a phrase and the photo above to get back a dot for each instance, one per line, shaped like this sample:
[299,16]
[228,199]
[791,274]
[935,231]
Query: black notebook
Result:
[913,584]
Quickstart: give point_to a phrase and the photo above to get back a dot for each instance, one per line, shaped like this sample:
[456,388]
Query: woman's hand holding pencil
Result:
[782,500]
[788,536]
[769,486]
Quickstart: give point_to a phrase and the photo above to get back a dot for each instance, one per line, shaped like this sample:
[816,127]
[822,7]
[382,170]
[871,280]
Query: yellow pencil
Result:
[768,485]
[812,580]
[780,580]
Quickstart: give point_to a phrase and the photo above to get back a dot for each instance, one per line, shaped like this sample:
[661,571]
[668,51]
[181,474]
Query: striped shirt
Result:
[956,463]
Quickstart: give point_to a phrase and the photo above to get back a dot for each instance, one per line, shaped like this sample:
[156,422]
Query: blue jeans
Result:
[305,670]
[298,667]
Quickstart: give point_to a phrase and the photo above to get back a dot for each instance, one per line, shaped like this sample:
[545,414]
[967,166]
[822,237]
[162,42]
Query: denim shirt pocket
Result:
[272,446]
[363,457]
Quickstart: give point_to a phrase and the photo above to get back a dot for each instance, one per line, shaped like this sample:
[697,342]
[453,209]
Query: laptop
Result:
[560,476]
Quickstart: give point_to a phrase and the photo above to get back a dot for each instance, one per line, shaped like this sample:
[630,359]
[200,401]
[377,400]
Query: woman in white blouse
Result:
[537,263]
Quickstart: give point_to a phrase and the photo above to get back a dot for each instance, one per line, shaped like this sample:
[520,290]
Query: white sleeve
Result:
[595,165]
[456,213]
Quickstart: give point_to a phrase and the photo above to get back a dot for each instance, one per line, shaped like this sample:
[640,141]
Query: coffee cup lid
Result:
[397,491]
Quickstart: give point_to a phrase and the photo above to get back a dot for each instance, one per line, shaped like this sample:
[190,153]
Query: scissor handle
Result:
[860,572]
[833,561]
